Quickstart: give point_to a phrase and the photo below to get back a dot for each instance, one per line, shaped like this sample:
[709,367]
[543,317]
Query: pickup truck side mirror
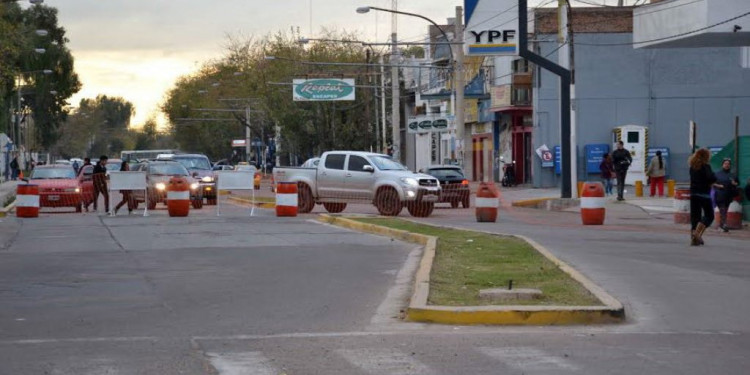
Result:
[368,168]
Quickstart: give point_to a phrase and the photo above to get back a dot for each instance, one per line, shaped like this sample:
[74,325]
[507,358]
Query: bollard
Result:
[670,188]
[592,204]
[639,188]
[256,181]
[27,200]
[681,205]
[178,197]
[580,188]
[286,199]
[734,215]
[486,203]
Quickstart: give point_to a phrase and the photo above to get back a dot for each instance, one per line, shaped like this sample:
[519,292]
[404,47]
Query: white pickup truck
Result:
[342,177]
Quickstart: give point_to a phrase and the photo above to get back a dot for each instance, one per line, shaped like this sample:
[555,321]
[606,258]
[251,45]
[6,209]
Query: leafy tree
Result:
[207,108]
[45,95]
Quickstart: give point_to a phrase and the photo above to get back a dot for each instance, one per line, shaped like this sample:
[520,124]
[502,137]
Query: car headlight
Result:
[410,181]
[194,185]
[207,179]
[160,186]
[72,190]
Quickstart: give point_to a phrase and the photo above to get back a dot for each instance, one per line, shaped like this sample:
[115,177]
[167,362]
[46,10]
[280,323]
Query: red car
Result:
[58,186]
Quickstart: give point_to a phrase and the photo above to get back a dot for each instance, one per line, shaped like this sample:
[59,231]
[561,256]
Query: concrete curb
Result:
[4,211]
[266,205]
[611,310]
[530,202]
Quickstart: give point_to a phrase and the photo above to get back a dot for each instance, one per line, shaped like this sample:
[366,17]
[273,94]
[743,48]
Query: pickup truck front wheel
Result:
[305,202]
[420,209]
[388,203]
[334,208]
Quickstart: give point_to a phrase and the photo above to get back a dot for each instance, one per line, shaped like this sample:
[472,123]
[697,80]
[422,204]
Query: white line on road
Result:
[384,361]
[248,363]
[528,359]
[427,330]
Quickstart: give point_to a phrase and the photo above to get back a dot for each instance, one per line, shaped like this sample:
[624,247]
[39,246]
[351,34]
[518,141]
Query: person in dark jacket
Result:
[126,198]
[621,159]
[701,209]
[100,182]
[725,190]
[608,171]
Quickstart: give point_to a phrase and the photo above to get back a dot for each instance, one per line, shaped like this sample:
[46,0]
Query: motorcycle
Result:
[509,174]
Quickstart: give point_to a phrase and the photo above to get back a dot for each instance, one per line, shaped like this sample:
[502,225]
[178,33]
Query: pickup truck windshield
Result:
[385,163]
[194,163]
[168,169]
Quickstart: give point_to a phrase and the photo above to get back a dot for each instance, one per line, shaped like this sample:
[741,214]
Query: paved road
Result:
[241,294]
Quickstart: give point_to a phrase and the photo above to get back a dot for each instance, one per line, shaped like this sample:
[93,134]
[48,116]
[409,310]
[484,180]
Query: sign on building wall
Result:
[430,123]
[491,27]
[328,89]
[471,110]
[500,96]
[594,156]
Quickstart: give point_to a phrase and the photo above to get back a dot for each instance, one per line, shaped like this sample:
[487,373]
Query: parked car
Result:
[199,166]
[58,186]
[353,176]
[158,174]
[454,187]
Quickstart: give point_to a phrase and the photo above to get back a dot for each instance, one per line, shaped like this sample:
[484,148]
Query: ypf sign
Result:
[323,89]
[491,27]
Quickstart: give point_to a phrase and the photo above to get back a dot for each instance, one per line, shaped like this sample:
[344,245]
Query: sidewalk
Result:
[7,188]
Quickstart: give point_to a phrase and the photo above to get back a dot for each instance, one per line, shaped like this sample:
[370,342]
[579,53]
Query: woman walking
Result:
[701,210]
[726,188]
[656,172]
[608,170]
[126,199]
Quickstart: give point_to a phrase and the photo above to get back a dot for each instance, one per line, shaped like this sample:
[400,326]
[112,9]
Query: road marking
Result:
[528,359]
[247,363]
[425,330]
[384,361]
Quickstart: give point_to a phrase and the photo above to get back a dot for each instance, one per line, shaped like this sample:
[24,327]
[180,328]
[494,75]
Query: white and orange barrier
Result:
[486,203]
[234,180]
[734,216]
[593,211]
[27,201]
[178,197]
[286,199]
[681,206]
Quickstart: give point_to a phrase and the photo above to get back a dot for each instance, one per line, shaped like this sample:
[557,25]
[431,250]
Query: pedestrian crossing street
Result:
[391,361]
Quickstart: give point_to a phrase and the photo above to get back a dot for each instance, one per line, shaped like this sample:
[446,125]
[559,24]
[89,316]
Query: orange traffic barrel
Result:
[734,215]
[27,200]
[592,203]
[486,203]
[681,206]
[286,199]
[178,196]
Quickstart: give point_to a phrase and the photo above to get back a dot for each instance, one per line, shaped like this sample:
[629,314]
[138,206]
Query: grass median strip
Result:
[467,261]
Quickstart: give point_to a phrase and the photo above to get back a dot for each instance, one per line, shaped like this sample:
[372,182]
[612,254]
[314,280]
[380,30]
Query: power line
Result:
[666,37]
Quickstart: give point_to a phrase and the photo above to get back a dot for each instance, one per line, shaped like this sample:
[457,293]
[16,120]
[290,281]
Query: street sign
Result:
[328,89]
[430,123]
[239,143]
[546,155]
[594,155]
[491,27]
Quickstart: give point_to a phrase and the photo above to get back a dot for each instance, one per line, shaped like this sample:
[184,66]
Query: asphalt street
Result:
[242,294]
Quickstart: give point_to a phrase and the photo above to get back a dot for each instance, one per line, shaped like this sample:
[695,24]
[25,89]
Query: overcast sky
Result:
[137,48]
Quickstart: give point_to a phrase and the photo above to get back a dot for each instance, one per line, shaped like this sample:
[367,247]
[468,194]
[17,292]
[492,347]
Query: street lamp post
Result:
[457,72]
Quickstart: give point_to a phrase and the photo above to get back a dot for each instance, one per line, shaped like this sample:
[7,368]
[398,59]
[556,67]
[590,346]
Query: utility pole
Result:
[382,106]
[463,137]
[247,134]
[565,59]
[395,89]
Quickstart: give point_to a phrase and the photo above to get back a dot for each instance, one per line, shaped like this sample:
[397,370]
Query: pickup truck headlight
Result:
[410,181]
[160,186]
[207,179]
[194,186]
